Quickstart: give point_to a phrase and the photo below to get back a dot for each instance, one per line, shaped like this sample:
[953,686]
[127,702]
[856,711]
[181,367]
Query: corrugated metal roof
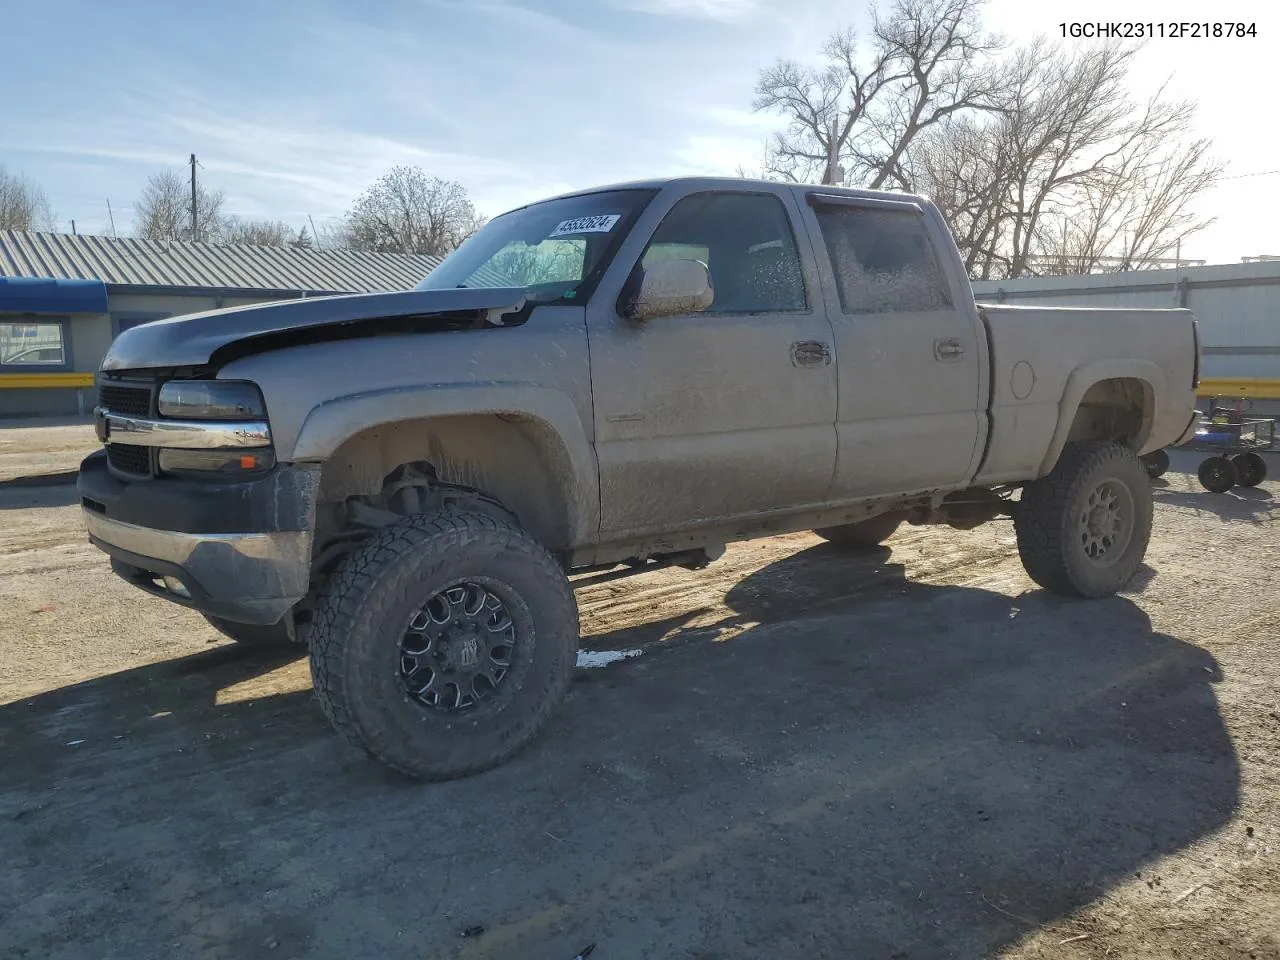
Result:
[177,263]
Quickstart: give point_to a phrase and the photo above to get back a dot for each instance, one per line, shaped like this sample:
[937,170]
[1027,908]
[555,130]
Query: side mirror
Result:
[669,288]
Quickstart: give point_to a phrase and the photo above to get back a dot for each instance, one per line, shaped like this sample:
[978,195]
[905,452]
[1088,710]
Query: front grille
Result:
[128,401]
[135,461]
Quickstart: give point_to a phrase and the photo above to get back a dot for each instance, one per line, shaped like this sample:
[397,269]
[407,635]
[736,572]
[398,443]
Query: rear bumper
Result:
[240,551]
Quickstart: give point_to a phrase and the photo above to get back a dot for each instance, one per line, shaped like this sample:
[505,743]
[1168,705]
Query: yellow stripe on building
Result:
[44,381]
[1253,387]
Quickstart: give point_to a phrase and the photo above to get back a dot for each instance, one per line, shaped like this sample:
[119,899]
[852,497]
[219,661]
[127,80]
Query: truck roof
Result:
[692,184]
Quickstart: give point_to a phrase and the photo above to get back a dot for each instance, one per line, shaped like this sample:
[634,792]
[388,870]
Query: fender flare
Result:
[335,421]
[1079,383]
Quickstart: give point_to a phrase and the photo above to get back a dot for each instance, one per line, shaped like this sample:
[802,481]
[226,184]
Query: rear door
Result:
[911,409]
[724,413]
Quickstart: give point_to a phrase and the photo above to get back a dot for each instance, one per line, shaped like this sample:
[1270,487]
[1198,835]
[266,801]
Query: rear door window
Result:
[883,260]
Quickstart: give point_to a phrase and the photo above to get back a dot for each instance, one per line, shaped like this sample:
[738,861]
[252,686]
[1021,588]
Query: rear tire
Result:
[1251,469]
[1156,463]
[252,634]
[1083,530]
[443,645]
[864,534]
[1218,475]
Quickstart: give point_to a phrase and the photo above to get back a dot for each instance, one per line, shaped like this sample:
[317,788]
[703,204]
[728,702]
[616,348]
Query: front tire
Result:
[1083,530]
[864,534]
[252,634]
[443,645]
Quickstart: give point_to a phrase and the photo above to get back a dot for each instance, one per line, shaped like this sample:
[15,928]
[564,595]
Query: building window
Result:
[37,345]
[120,322]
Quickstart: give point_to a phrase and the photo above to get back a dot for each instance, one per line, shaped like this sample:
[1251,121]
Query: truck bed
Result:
[1043,359]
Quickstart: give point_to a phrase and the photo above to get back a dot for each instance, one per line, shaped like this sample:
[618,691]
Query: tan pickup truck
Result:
[610,380]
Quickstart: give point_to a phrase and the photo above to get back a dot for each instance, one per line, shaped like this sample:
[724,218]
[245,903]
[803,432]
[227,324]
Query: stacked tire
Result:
[1156,463]
[1220,474]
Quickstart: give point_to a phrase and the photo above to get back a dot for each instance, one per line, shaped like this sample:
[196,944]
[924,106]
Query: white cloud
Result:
[698,9]
[269,164]
[719,155]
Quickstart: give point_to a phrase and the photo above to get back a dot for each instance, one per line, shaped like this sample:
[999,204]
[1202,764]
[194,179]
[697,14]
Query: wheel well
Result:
[1117,411]
[516,462]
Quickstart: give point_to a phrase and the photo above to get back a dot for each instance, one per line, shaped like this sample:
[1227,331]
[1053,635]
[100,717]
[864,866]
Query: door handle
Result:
[810,353]
[947,350]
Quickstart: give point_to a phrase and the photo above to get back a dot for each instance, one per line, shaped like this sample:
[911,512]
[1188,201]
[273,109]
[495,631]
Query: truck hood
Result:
[194,339]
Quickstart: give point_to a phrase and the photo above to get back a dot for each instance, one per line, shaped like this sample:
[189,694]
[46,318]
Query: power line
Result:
[1242,176]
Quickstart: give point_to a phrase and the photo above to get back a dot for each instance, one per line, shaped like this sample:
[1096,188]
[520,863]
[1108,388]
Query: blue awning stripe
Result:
[46,295]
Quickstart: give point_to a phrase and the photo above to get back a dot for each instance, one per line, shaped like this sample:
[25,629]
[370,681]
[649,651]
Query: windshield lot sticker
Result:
[601,224]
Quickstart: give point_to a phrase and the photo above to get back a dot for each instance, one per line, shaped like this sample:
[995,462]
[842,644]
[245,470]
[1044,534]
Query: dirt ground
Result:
[40,447]
[911,754]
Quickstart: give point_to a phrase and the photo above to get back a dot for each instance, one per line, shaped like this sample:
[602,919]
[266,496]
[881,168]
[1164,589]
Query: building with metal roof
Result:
[65,297]
[227,268]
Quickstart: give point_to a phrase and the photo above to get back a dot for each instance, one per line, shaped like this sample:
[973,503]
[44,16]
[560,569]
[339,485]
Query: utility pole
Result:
[112,217]
[195,219]
[833,153]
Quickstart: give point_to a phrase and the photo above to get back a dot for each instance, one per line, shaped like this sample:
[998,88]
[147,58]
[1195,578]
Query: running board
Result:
[688,559]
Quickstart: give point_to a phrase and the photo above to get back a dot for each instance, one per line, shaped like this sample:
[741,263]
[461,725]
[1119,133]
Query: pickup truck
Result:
[608,381]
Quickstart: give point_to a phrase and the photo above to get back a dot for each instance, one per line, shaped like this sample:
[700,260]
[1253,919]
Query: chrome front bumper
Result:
[245,577]
[186,434]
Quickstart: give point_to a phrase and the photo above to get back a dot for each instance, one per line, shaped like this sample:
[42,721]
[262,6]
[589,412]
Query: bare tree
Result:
[23,205]
[163,212]
[406,211]
[267,233]
[855,118]
[963,171]
[1071,175]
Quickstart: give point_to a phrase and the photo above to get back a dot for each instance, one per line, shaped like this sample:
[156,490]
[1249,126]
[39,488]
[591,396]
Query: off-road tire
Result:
[1050,521]
[1218,475]
[252,634]
[864,534]
[1156,463]
[363,616]
[1251,469]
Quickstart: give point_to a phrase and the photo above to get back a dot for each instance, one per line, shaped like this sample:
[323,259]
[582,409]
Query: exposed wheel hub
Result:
[460,650]
[456,649]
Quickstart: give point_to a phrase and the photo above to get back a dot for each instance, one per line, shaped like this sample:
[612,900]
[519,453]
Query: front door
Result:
[725,413]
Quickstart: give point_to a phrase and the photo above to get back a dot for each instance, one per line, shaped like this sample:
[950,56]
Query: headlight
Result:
[212,400]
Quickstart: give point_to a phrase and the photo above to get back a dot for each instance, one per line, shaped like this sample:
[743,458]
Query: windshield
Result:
[555,250]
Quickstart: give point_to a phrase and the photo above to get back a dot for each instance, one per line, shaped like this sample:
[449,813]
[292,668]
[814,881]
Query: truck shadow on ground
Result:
[867,768]
[24,498]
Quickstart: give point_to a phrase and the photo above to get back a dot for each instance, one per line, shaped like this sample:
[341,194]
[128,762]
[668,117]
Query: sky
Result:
[293,107]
